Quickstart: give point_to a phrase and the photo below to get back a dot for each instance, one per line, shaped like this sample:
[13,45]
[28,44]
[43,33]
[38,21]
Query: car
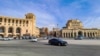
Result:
[57,41]
[1,38]
[10,38]
[34,39]
[6,39]
[79,38]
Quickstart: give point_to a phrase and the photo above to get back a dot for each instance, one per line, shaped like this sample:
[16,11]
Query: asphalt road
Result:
[27,48]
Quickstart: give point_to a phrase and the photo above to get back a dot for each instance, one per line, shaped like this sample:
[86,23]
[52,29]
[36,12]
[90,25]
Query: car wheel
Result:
[66,44]
[50,43]
[59,44]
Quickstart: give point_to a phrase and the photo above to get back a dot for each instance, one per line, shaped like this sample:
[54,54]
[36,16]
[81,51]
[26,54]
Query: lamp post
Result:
[57,31]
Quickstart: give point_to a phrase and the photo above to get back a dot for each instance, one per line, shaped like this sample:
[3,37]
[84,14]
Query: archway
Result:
[2,29]
[80,35]
[10,30]
[18,30]
[1,35]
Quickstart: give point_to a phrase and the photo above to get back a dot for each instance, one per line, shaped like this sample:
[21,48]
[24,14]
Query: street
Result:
[42,48]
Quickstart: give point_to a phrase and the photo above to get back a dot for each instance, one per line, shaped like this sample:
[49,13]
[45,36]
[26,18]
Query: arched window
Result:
[18,30]
[10,30]
[8,20]
[85,34]
[2,29]
[0,19]
[13,21]
[26,22]
[5,20]
[16,21]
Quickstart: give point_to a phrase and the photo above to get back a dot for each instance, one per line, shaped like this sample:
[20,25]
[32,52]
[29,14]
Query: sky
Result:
[49,13]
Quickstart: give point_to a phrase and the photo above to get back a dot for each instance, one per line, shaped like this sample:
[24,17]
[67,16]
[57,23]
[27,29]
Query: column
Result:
[65,35]
[6,32]
[14,31]
[62,34]
[73,34]
[83,33]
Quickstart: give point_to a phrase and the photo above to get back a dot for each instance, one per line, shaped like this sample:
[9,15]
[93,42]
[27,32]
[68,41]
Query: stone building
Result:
[44,31]
[56,32]
[74,28]
[10,26]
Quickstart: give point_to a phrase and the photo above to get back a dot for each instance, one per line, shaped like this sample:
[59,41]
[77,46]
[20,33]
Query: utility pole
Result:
[57,31]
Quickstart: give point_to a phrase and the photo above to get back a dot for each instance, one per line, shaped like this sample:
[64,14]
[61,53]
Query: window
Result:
[8,20]
[10,30]
[26,22]
[16,21]
[18,30]
[0,19]
[20,21]
[5,20]
[13,21]
[2,29]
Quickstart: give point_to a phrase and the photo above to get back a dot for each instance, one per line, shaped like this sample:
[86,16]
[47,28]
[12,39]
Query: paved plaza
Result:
[41,48]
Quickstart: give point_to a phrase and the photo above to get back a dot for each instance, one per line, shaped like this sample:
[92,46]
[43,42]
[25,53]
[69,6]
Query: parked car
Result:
[1,38]
[34,39]
[6,39]
[10,38]
[79,38]
[57,41]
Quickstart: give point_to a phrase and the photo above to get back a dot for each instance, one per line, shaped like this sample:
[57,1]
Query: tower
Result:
[32,24]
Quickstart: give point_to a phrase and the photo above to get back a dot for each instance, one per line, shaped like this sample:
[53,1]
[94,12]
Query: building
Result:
[44,31]
[37,32]
[74,28]
[56,32]
[12,27]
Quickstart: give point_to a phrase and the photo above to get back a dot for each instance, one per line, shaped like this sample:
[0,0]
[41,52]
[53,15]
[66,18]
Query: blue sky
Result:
[49,13]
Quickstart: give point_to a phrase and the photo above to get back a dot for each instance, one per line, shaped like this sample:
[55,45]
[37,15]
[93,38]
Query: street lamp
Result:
[57,31]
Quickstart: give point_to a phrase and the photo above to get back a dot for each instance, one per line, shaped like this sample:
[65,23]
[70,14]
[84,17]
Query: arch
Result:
[66,35]
[9,20]
[10,30]
[10,35]
[84,34]
[88,34]
[71,35]
[80,33]
[74,34]
[2,29]
[0,19]
[1,35]
[18,30]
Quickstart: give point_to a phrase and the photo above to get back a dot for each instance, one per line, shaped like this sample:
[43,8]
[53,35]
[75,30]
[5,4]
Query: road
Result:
[27,48]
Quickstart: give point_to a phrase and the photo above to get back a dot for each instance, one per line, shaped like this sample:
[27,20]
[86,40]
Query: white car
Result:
[5,39]
[10,38]
[34,39]
[1,38]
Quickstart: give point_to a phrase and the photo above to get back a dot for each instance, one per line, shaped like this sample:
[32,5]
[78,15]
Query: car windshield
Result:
[60,39]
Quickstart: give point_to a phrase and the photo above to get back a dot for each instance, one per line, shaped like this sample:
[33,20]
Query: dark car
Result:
[79,38]
[58,42]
